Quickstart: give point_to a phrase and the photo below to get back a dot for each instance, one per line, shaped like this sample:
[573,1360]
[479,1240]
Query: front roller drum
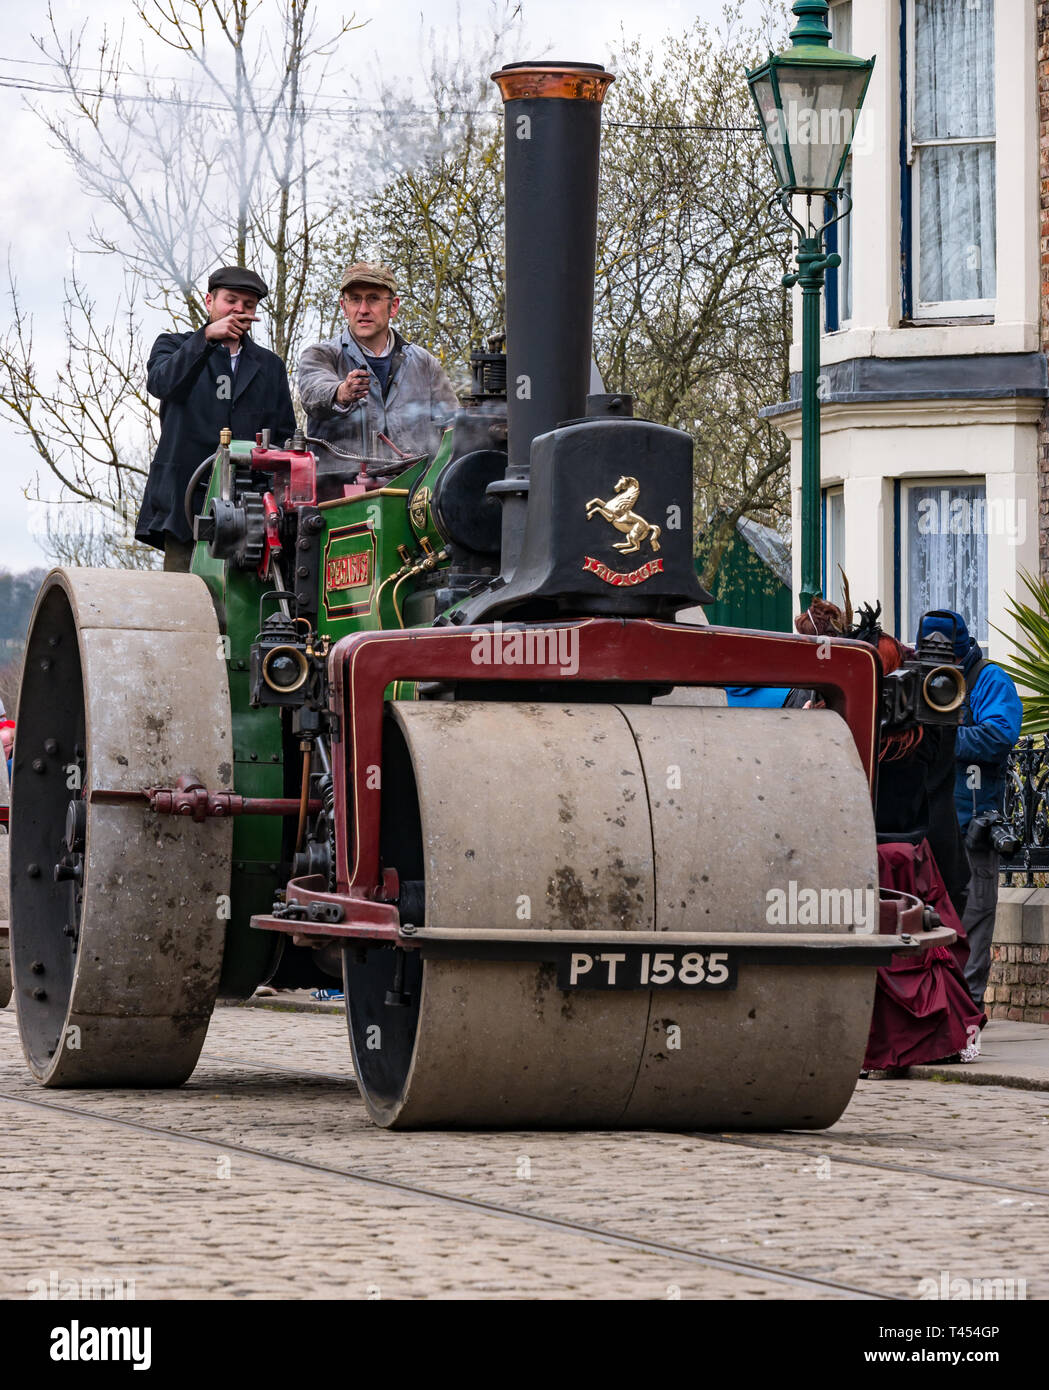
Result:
[117,914]
[618,820]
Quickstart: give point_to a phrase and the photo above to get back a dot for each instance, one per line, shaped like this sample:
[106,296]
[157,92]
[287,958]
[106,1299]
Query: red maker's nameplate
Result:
[347,571]
[615,577]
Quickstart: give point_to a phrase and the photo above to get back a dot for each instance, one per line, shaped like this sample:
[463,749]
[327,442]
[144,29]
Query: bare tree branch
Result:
[182,183]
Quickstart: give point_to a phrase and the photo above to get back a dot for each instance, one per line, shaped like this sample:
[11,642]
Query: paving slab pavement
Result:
[289,1001]
[1011,1054]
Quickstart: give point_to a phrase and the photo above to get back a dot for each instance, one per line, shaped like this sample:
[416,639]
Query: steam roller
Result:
[448,730]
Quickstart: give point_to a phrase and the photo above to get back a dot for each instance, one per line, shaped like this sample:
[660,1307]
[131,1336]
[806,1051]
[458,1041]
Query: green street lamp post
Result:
[808,100]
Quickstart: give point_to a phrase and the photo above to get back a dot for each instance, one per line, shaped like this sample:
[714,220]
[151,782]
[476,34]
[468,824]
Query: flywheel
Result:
[118,915]
[617,819]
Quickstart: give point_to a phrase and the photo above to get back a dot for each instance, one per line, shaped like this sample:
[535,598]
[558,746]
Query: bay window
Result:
[949,173]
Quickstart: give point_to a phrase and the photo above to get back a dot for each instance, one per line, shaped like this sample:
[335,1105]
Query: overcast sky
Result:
[45,212]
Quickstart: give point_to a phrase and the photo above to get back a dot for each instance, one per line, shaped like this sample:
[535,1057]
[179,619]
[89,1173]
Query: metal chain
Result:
[326,444]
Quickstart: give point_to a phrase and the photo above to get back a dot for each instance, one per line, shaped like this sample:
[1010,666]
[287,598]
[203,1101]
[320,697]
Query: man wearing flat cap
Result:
[369,381]
[212,379]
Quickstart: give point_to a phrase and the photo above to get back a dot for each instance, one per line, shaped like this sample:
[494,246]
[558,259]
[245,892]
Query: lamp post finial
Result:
[812,25]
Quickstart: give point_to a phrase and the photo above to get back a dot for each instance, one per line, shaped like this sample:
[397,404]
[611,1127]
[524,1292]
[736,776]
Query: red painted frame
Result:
[298,486]
[363,665]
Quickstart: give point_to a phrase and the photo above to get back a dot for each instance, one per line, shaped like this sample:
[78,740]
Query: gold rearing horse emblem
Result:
[619,511]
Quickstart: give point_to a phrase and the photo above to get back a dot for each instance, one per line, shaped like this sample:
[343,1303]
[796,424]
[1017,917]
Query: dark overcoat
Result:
[199,395]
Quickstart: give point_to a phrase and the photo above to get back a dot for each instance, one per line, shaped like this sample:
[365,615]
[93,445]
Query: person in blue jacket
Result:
[756,696]
[990,727]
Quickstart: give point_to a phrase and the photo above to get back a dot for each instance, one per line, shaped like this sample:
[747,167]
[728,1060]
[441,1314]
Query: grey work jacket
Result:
[419,398]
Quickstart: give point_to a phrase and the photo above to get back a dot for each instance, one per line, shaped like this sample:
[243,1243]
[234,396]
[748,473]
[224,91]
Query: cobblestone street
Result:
[264,1177]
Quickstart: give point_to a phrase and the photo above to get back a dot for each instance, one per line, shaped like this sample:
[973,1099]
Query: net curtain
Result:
[947,554]
[954,99]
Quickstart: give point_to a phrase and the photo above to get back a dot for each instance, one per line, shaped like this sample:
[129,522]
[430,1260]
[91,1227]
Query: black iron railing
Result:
[1026,808]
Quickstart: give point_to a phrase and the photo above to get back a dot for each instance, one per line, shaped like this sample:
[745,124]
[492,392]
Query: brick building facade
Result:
[1018,987]
[934,418]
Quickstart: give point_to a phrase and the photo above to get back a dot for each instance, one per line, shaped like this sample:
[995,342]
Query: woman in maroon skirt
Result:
[923,1011]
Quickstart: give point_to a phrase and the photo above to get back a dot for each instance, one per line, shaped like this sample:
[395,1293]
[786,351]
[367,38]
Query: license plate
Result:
[631,968]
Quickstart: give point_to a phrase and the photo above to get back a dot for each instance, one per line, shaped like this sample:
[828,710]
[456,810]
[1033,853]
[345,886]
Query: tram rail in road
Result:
[576,1202]
[608,1237]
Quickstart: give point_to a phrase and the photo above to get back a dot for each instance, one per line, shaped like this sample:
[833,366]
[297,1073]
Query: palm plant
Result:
[1029,667]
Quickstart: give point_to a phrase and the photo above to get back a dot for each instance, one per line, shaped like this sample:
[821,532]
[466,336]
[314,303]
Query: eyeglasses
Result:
[371,300]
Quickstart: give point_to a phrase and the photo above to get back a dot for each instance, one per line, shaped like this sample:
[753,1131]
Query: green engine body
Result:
[372,559]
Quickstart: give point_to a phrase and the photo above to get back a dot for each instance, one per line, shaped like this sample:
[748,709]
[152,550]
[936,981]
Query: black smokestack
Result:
[552,114]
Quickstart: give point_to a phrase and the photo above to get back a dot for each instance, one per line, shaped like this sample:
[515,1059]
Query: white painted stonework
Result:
[865,447]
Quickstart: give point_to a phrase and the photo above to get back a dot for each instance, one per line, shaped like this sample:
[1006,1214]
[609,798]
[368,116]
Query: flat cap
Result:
[235,277]
[368,273]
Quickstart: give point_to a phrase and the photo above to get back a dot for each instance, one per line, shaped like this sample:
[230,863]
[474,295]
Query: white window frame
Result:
[846,249]
[846,243]
[933,480]
[931,310]
[832,577]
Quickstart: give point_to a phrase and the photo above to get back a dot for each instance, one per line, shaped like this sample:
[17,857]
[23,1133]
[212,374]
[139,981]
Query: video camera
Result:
[930,687]
[992,831]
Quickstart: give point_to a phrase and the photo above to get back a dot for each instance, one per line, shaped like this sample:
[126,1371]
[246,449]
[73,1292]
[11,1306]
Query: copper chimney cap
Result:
[569,81]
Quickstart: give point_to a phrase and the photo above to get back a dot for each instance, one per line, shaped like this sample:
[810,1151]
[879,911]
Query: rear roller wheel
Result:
[116,933]
[623,819]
